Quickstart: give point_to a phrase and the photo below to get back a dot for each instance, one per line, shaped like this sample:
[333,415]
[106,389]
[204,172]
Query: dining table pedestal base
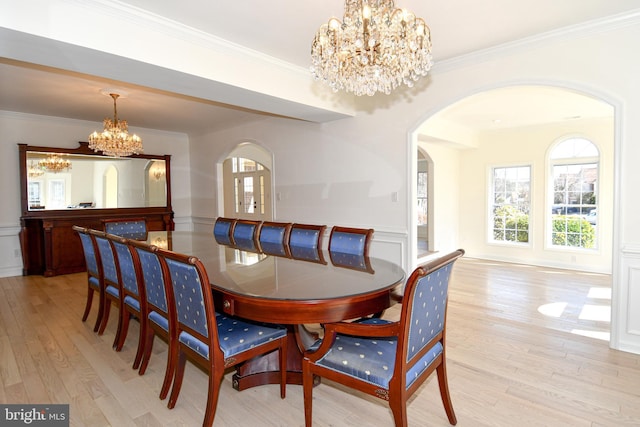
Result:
[264,369]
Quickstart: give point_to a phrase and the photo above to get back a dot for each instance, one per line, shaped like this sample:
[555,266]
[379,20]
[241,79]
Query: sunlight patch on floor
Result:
[605,336]
[599,293]
[554,309]
[598,313]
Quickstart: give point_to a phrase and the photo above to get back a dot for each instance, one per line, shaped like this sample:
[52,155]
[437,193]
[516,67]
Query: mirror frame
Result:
[82,149]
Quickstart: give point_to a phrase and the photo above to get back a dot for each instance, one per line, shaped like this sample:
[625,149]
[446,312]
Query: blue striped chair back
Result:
[109,268]
[245,234]
[274,238]
[222,230]
[127,267]
[129,228]
[89,253]
[153,279]
[305,242]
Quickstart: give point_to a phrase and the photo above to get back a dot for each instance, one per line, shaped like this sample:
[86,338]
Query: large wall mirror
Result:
[60,179]
[63,187]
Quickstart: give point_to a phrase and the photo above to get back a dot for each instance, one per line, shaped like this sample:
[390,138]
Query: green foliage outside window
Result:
[573,231]
[510,225]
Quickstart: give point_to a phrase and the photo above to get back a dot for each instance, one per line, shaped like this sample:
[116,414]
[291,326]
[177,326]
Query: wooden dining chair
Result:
[160,316]
[94,274]
[133,295]
[213,341]
[390,360]
[349,247]
[223,230]
[110,280]
[245,234]
[305,242]
[274,237]
[131,228]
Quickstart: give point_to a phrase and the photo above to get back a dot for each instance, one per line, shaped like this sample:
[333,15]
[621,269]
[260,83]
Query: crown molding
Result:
[584,29]
[144,19]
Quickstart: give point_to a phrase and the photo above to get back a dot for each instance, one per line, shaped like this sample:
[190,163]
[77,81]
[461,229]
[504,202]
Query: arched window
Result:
[574,194]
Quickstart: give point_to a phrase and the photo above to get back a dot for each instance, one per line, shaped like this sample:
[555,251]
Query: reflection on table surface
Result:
[272,277]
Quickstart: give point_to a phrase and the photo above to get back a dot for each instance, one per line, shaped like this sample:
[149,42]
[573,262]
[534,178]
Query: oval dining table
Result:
[286,291]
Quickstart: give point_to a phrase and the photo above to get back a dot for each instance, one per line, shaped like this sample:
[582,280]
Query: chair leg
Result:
[87,307]
[148,346]
[444,392]
[399,410]
[307,391]
[177,379]
[101,298]
[123,329]
[141,343]
[105,315]
[170,373]
[215,381]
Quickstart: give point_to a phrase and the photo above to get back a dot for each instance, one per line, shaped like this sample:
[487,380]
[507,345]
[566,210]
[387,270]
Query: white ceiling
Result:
[284,29]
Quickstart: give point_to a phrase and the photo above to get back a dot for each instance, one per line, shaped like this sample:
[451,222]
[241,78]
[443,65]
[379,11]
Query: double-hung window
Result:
[574,170]
[511,204]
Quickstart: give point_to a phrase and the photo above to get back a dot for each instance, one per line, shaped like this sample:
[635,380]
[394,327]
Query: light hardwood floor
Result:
[510,364]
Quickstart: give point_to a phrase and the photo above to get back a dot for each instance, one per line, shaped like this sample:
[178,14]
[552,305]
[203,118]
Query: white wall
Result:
[54,132]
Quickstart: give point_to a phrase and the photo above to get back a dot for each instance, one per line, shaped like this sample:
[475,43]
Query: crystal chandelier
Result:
[54,163]
[115,140]
[375,48]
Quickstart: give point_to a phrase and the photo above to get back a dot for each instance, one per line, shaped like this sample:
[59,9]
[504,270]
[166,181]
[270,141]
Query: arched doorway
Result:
[512,127]
[424,207]
[247,183]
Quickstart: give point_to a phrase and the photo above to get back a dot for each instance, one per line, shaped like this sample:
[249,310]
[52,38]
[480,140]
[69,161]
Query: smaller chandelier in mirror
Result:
[157,170]
[115,140]
[55,163]
[375,48]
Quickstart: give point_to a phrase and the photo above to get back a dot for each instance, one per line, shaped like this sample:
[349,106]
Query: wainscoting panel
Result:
[628,294]
[10,254]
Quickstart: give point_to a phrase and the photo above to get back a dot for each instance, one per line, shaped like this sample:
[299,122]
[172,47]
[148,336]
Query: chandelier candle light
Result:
[115,140]
[375,48]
